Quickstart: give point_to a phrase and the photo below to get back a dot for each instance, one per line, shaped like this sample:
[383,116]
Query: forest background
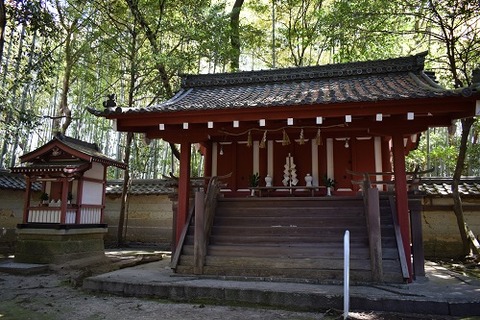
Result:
[59,57]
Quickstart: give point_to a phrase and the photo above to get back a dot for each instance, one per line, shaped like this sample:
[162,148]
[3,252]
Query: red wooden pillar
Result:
[402,196]
[183,190]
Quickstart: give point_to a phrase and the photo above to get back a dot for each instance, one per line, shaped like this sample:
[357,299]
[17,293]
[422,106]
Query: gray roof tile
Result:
[401,78]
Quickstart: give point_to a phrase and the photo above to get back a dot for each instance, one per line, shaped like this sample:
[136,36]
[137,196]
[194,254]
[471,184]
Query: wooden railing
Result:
[88,215]
[398,238]
[413,178]
[372,209]
[204,203]
[371,199]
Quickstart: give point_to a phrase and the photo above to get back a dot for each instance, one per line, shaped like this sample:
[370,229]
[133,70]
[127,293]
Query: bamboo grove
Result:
[58,57]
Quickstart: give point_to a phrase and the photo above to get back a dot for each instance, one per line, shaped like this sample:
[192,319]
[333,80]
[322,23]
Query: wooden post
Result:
[26,203]
[417,237]
[183,191]
[401,196]
[375,234]
[63,205]
[199,247]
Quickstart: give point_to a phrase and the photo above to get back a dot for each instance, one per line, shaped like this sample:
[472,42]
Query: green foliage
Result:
[254,180]
[329,182]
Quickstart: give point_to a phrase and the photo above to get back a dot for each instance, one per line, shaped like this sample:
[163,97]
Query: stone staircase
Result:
[292,238]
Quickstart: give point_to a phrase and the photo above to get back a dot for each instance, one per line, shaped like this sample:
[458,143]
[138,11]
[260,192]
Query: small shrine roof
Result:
[370,81]
[64,153]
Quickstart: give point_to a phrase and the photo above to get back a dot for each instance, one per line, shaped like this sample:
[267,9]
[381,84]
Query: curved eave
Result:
[456,106]
[52,169]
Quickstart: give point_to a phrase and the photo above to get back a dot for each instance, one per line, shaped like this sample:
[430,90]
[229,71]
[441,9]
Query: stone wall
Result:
[149,219]
[441,237]
[11,211]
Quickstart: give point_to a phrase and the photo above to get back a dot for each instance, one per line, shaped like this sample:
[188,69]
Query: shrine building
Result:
[291,157]
[66,223]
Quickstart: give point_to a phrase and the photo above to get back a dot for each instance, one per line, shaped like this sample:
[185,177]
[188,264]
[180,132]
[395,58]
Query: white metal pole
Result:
[346,274]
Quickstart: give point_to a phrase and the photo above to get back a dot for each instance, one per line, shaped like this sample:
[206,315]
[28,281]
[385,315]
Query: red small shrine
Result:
[67,222]
[303,128]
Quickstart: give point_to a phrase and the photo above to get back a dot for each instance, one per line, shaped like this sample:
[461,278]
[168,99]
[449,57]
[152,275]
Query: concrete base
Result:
[58,245]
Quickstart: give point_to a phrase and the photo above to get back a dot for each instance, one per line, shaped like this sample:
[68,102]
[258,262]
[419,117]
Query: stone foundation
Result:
[59,244]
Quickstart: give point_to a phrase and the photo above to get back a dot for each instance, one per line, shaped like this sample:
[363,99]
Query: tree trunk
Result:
[3,24]
[126,184]
[63,110]
[152,39]
[457,200]
[235,34]
[23,102]
[13,90]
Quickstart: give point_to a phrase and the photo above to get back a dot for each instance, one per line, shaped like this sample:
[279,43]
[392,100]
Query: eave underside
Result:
[364,120]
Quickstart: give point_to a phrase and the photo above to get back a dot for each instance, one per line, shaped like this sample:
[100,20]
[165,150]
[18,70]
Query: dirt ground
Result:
[57,294]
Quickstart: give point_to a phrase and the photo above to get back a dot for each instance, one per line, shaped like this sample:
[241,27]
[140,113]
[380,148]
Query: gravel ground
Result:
[58,295]
[51,296]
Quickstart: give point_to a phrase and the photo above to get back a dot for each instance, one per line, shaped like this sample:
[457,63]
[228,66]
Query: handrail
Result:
[371,202]
[204,216]
[398,238]
[183,236]
[211,195]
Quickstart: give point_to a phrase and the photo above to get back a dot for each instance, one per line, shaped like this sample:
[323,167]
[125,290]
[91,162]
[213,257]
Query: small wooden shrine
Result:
[67,221]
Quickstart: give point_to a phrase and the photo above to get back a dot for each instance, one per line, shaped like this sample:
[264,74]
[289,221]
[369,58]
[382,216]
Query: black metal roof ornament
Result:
[110,102]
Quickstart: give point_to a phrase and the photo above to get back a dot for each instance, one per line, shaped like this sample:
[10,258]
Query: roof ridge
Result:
[402,64]
[67,139]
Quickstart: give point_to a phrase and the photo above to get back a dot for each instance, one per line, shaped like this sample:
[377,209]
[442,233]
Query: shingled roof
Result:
[370,81]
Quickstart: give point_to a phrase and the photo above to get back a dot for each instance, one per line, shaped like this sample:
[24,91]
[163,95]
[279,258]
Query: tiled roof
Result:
[141,187]
[435,187]
[393,79]
[11,181]
[443,187]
